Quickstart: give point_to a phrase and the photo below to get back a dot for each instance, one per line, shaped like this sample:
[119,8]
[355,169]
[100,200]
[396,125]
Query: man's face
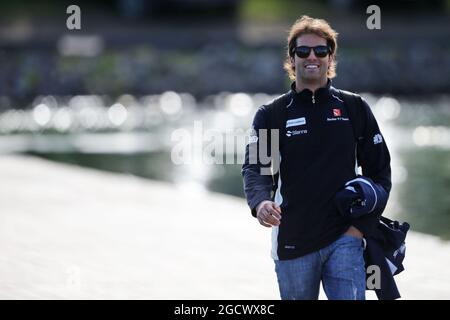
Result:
[311,69]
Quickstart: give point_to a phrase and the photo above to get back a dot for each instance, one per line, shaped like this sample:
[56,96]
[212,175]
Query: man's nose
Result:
[311,55]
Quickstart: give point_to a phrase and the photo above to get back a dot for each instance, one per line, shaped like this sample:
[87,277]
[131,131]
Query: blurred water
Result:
[139,136]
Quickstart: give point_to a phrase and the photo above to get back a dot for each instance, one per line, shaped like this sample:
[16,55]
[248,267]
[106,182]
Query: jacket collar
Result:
[320,95]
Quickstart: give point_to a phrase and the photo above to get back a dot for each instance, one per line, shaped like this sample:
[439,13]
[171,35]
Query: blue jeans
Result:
[340,266]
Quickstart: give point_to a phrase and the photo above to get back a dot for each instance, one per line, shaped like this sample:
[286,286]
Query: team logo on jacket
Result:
[253,136]
[337,115]
[377,139]
[337,112]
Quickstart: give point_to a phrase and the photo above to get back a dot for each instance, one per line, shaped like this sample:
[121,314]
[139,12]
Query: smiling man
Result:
[322,208]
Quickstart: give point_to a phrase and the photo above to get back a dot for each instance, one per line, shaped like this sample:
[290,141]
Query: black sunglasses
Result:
[304,51]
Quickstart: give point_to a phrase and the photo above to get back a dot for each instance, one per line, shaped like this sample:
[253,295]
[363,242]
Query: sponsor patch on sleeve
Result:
[377,139]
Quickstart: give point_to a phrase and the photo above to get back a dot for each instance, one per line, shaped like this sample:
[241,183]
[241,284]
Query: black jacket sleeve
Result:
[374,158]
[257,183]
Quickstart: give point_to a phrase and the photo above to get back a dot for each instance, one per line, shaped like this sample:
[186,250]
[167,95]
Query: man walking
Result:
[322,208]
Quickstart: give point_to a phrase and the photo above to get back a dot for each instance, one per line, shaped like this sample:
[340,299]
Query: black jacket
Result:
[317,157]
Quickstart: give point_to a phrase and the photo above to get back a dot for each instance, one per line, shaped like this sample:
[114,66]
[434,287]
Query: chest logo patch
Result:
[337,115]
[337,112]
[290,133]
[296,122]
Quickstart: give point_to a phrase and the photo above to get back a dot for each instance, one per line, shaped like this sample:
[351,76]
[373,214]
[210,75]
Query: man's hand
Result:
[268,214]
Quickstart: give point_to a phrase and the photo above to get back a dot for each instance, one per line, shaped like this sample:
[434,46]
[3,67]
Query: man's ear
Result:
[292,62]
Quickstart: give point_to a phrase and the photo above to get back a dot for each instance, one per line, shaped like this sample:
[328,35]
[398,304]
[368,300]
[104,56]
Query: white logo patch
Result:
[290,133]
[253,136]
[295,122]
[253,139]
[377,139]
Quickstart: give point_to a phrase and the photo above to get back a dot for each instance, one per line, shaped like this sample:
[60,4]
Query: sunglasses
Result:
[304,51]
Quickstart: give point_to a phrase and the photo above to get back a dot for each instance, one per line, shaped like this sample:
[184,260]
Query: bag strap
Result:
[355,109]
[354,106]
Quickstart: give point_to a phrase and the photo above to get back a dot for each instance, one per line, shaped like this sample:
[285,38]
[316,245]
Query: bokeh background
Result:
[108,97]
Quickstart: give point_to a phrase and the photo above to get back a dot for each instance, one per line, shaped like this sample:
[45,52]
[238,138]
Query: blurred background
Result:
[109,96]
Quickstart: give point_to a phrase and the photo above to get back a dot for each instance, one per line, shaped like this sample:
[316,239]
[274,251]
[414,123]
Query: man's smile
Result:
[312,66]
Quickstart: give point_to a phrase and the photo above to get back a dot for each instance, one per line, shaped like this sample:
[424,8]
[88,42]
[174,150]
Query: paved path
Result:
[69,232]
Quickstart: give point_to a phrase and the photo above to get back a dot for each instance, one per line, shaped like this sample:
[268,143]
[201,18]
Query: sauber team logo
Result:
[337,112]
[337,116]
